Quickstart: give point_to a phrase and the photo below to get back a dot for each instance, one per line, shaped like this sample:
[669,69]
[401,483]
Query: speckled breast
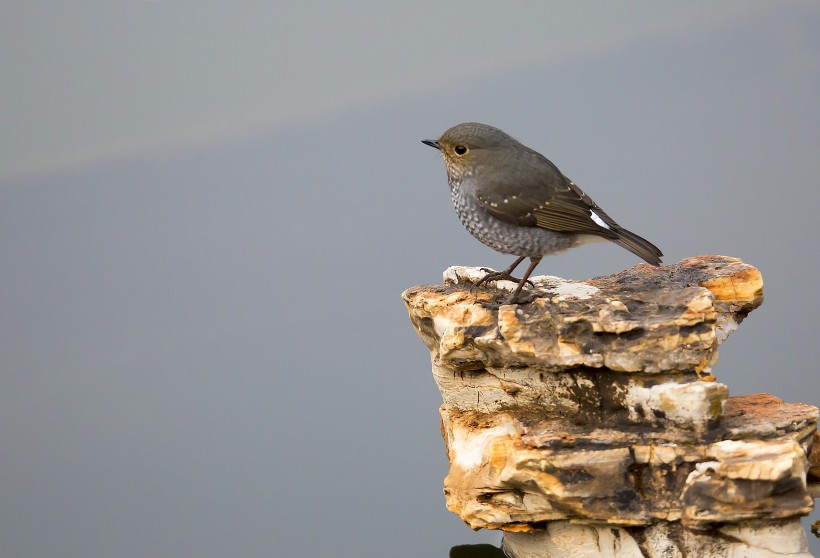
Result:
[505,237]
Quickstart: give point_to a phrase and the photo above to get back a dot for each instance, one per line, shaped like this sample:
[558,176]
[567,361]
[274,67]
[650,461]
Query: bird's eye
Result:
[460,150]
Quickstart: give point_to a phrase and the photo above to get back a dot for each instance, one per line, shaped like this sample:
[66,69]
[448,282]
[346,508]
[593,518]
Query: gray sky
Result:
[88,80]
[208,212]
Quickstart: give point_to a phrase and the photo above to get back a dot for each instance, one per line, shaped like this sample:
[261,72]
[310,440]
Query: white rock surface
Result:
[757,539]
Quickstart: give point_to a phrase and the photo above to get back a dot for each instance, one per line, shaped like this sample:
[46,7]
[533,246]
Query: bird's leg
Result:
[505,275]
[533,263]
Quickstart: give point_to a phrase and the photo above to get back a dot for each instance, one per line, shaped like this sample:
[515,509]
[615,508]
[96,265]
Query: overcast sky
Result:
[85,80]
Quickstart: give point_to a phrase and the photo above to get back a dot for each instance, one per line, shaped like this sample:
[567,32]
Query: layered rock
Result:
[750,539]
[594,402]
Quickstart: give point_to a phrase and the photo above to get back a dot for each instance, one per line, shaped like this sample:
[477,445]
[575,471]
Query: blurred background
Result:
[209,210]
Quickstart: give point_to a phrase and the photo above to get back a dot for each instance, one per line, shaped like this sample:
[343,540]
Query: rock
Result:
[757,539]
[514,470]
[747,480]
[589,413]
[764,415]
[814,457]
[585,394]
[561,539]
[646,319]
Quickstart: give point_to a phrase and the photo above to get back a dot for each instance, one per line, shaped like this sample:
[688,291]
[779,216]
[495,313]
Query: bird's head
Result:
[467,146]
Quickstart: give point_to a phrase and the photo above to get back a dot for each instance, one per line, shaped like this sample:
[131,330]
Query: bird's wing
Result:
[532,192]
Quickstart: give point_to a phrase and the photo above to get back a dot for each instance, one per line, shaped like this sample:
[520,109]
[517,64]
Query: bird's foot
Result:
[522,297]
[497,276]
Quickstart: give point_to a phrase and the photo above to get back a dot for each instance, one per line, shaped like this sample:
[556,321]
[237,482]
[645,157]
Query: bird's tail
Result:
[638,246]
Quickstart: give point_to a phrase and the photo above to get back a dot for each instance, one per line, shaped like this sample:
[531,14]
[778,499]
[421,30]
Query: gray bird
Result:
[514,200]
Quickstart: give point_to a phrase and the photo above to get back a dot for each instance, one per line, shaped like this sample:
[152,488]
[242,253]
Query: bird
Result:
[516,201]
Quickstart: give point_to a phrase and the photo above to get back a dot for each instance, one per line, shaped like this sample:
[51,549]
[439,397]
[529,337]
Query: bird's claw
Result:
[497,276]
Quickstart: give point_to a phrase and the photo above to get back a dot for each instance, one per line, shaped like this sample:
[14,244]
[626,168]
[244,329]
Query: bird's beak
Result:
[432,143]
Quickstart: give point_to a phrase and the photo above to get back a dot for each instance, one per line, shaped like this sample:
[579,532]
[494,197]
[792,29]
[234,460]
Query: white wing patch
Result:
[598,220]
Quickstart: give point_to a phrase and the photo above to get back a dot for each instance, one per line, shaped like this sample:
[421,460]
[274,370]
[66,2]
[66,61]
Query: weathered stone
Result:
[561,539]
[513,471]
[747,480]
[645,319]
[586,394]
[814,457]
[754,539]
[585,421]
[764,416]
